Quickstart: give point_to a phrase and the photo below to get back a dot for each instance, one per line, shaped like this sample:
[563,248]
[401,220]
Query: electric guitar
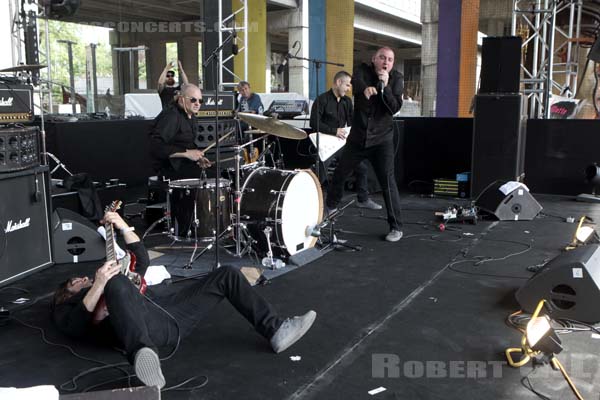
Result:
[127,265]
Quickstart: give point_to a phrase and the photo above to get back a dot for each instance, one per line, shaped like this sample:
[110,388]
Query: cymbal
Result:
[273,126]
[24,67]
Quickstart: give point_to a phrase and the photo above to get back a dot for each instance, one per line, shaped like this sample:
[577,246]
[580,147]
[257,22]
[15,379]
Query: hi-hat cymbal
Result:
[273,126]
[24,67]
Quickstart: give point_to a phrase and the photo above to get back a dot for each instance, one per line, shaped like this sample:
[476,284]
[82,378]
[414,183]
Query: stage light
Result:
[538,338]
[541,337]
[585,233]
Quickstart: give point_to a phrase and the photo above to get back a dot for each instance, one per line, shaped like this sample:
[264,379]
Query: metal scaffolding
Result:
[548,69]
[18,9]
[227,26]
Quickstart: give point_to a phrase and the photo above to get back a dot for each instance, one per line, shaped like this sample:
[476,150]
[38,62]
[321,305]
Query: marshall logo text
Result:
[10,227]
[6,102]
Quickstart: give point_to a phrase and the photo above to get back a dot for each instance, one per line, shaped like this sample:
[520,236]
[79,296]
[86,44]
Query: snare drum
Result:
[287,201]
[191,208]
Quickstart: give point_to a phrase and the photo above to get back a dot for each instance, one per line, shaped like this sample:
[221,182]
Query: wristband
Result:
[128,229]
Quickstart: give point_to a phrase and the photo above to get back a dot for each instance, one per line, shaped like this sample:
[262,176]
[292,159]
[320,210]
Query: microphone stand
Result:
[317,63]
[214,58]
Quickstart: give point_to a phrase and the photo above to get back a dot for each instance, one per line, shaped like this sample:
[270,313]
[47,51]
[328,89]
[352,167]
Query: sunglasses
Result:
[170,76]
[193,100]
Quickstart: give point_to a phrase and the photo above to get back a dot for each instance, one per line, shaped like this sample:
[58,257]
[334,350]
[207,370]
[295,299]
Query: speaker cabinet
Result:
[498,151]
[25,245]
[75,238]
[207,133]
[518,205]
[500,64]
[570,282]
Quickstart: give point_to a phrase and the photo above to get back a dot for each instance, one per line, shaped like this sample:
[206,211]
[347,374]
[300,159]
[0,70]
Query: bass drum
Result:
[287,201]
[191,208]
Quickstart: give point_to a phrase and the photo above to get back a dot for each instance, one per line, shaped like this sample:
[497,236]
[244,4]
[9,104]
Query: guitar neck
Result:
[111,254]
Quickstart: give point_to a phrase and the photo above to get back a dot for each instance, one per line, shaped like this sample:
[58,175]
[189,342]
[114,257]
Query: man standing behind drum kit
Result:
[174,153]
[334,113]
[377,97]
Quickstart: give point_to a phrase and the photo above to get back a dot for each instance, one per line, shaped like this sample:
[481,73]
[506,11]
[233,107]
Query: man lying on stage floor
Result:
[136,324]
[173,151]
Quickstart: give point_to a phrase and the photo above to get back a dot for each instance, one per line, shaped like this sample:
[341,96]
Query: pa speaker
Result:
[25,245]
[75,238]
[500,64]
[498,151]
[570,283]
[518,205]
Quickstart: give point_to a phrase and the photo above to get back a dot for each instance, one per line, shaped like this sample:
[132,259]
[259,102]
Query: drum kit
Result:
[271,212]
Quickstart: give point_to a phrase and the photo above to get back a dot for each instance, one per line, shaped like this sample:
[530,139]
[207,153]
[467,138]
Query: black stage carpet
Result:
[423,318]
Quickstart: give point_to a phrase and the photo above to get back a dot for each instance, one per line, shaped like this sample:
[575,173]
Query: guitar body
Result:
[128,268]
[127,265]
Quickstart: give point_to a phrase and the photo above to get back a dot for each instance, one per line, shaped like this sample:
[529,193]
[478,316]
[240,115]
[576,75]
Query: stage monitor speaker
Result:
[498,151]
[518,205]
[500,64]
[75,239]
[25,245]
[570,283]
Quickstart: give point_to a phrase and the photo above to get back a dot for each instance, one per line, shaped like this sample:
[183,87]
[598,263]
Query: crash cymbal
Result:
[24,67]
[273,126]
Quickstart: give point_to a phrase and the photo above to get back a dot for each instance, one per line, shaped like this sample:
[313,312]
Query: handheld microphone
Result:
[234,46]
[284,62]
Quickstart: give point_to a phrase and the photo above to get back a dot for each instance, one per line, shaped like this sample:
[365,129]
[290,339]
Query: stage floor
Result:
[425,307]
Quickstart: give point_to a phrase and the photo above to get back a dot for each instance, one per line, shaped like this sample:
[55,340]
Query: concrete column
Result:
[299,69]
[317,39]
[457,54]
[468,56]
[268,65]
[340,37]
[257,45]
[155,62]
[429,56]
[188,54]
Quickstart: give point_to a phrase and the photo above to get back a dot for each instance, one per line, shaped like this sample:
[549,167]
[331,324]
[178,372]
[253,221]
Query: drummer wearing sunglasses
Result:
[173,149]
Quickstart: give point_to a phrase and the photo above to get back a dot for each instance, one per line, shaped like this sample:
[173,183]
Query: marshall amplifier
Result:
[16,103]
[209,107]
[25,244]
[19,148]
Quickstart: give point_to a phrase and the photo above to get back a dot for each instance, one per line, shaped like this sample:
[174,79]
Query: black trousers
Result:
[135,322]
[381,157]
[361,176]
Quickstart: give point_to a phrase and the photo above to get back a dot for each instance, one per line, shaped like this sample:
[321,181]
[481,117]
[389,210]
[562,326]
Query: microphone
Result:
[234,46]
[282,65]
[381,84]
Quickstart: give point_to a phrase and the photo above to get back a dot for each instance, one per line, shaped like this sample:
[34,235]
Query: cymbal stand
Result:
[194,257]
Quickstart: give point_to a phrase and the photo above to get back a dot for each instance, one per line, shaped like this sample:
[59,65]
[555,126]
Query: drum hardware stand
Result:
[269,261]
[334,243]
[194,257]
[215,58]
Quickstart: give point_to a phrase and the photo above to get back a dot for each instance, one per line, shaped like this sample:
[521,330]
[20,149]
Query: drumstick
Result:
[210,146]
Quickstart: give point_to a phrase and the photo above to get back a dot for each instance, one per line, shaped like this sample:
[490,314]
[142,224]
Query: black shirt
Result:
[73,319]
[373,118]
[167,94]
[172,132]
[331,113]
